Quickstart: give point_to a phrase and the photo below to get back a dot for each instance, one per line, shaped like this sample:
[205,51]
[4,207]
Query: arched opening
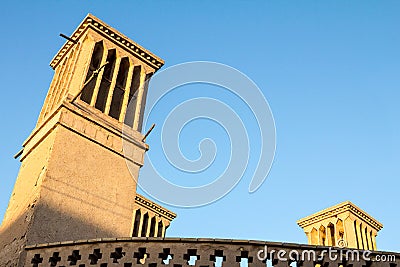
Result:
[152,227]
[95,62]
[331,235]
[160,229]
[132,99]
[372,240]
[119,90]
[106,80]
[145,225]
[356,235]
[362,237]
[136,223]
[143,104]
[367,238]
[339,230]
[322,235]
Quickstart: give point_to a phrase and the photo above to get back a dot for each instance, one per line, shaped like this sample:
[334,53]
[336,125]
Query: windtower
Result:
[74,182]
[343,225]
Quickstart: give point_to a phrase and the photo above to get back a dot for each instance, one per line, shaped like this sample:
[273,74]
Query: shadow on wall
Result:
[41,224]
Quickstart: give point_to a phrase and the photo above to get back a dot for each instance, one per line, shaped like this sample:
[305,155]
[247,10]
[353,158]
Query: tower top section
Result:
[97,25]
[100,69]
[343,225]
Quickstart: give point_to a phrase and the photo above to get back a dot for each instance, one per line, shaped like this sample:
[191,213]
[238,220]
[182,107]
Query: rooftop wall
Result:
[197,252]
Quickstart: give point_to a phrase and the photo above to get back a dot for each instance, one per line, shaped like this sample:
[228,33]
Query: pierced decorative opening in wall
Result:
[218,258]
[191,256]
[244,259]
[54,259]
[95,256]
[166,256]
[74,257]
[36,260]
[141,256]
[117,255]
[269,263]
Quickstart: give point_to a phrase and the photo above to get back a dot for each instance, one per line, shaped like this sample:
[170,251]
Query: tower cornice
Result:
[148,204]
[338,209]
[101,27]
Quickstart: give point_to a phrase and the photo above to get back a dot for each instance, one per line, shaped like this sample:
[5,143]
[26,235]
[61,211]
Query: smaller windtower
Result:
[343,225]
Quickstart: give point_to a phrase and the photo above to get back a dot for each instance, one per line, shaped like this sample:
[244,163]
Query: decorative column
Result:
[322,236]
[128,85]
[368,237]
[156,228]
[349,235]
[163,229]
[309,237]
[374,240]
[363,235]
[112,86]
[99,77]
[49,98]
[63,66]
[64,78]
[140,223]
[74,63]
[139,99]
[359,235]
[148,225]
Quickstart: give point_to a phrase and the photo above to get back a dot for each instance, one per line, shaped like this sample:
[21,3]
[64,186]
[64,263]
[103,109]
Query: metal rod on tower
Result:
[148,132]
[19,153]
[68,38]
[95,73]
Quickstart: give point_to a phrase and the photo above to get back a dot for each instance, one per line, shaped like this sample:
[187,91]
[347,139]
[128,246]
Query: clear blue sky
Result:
[329,69]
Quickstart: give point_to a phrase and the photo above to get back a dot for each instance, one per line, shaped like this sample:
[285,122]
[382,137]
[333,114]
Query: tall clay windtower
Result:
[343,225]
[74,182]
